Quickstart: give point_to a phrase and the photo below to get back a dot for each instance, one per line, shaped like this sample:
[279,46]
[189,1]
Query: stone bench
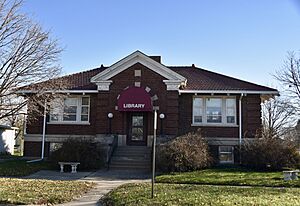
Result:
[290,175]
[73,166]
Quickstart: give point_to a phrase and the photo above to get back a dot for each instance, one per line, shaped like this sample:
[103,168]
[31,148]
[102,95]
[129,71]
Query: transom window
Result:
[70,109]
[214,110]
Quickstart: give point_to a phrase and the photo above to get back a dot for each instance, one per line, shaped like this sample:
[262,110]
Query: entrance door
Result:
[137,129]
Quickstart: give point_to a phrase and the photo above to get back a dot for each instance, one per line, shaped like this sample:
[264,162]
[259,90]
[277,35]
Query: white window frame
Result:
[223,112]
[78,111]
[232,154]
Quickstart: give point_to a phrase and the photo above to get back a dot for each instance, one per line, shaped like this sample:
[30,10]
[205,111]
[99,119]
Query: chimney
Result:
[156,58]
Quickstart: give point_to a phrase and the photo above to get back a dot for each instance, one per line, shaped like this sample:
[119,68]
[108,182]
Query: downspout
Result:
[240,126]
[44,130]
[43,136]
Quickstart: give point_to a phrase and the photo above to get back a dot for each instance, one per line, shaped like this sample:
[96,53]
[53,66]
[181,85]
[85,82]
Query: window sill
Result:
[214,125]
[69,123]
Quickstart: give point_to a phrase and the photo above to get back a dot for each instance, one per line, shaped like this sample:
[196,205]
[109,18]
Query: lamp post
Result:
[110,116]
[162,117]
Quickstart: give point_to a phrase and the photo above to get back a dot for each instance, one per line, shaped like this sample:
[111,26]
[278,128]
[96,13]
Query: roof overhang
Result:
[173,80]
[228,92]
[24,92]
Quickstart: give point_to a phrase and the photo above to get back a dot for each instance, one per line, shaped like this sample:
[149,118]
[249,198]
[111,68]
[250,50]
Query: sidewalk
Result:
[105,182]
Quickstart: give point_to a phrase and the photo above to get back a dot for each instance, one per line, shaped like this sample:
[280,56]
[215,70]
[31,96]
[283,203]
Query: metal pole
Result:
[240,127]
[153,157]
[44,130]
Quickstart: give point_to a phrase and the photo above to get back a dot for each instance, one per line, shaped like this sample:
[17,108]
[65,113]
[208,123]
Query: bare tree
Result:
[278,116]
[27,56]
[289,77]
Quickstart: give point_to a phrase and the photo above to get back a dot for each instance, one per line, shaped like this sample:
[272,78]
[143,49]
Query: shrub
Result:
[184,153]
[270,154]
[90,155]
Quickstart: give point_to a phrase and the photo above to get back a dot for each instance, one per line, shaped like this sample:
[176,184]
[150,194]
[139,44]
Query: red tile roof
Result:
[201,79]
[197,79]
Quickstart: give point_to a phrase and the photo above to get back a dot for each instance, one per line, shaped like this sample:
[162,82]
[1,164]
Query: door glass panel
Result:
[137,134]
[137,121]
[137,129]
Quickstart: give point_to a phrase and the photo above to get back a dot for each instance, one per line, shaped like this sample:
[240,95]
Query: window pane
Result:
[226,158]
[230,110]
[230,119]
[70,109]
[84,110]
[225,149]
[84,118]
[53,117]
[68,117]
[198,109]
[85,101]
[214,110]
[70,101]
[197,119]
[137,120]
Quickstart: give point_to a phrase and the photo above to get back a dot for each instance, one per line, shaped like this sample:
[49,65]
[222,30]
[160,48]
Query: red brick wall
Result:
[33,149]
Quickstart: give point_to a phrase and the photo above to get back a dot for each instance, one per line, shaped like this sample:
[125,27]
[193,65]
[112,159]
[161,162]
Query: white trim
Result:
[213,125]
[138,57]
[228,92]
[57,91]
[69,122]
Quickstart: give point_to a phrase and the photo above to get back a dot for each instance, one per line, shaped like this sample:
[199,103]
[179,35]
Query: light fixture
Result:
[110,115]
[162,116]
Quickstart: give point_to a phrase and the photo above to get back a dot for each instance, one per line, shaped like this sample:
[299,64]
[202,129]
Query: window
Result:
[198,110]
[214,110]
[230,110]
[71,109]
[226,154]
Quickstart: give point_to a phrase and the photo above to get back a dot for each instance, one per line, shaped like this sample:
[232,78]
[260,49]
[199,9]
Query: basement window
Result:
[226,155]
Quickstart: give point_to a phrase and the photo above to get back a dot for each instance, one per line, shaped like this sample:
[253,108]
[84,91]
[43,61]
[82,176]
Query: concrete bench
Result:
[73,166]
[290,175]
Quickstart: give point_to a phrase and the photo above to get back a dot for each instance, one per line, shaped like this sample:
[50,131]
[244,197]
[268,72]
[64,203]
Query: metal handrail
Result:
[111,150]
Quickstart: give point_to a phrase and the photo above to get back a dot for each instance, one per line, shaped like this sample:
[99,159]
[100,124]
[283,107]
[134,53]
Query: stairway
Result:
[131,158]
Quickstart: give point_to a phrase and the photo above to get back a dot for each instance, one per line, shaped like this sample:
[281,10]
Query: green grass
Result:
[24,191]
[229,176]
[187,194]
[17,168]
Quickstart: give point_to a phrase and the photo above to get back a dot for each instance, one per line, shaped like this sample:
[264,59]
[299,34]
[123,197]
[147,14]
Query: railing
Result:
[111,150]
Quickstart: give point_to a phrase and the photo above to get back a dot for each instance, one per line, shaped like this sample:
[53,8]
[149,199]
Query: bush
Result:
[89,154]
[185,153]
[270,154]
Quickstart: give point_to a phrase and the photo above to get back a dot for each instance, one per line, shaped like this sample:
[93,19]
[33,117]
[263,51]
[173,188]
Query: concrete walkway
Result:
[105,182]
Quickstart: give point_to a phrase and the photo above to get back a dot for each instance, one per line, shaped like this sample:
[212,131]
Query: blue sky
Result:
[244,39]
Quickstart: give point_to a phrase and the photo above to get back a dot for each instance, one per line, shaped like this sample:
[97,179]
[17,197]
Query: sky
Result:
[244,39]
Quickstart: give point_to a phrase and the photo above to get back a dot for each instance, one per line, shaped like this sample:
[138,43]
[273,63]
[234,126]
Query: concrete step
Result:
[129,167]
[129,162]
[131,158]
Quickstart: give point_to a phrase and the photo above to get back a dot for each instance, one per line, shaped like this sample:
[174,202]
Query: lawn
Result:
[229,176]
[24,191]
[16,168]
[189,194]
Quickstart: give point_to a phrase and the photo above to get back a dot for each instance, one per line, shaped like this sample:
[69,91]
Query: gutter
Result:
[228,92]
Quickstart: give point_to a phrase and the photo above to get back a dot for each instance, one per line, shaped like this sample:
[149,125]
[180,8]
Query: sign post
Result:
[153,157]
